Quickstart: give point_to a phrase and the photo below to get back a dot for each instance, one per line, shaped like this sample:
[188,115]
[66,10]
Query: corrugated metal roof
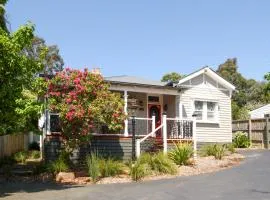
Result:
[134,80]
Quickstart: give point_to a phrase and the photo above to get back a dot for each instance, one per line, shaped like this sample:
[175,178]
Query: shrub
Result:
[181,153]
[216,150]
[34,146]
[92,162]
[139,170]
[110,167]
[207,150]
[20,157]
[34,154]
[59,165]
[219,151]
[65,156]
[230,148]
[241,140]
[162,164]
[145,158]
[148,163]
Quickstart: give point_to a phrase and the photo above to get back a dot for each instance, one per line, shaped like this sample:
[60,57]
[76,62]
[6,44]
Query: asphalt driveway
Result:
[249,181]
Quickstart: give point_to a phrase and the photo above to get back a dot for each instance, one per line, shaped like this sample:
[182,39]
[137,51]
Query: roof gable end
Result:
[211,73]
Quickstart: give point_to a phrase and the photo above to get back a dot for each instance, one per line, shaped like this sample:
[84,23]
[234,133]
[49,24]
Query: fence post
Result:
[138,148]
[194,138]
[267,128]
[153,125]
[164,122]
[249,129]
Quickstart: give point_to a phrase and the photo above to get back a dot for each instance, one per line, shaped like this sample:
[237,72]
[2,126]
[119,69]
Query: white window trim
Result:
[204,114]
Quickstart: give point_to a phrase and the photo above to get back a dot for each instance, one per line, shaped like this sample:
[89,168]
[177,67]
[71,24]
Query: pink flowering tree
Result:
[83,99]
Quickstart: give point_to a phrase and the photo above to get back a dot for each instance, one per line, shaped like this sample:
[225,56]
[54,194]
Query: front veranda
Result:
[148,114]
[157,117]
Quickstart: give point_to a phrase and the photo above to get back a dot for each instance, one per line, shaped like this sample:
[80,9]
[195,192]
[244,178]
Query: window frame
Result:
[205,111]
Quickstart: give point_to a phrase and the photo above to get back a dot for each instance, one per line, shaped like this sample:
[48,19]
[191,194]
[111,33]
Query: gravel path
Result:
[248,181]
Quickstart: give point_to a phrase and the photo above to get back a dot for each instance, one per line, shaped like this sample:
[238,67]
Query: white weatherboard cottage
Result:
[198,110]
[203,94]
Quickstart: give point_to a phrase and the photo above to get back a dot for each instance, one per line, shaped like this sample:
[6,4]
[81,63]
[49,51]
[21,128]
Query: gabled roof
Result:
[264,109]
[211,73]
[134,80]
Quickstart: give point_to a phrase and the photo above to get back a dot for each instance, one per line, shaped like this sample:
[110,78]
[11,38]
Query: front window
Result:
[211,107]
[206,111]
[54,123]
[199,110]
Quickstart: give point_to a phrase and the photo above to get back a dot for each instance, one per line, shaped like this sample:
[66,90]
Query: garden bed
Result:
[149,166]
[203,165]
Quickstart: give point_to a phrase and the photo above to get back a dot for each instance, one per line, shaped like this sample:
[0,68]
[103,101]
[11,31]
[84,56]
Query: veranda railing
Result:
[143,125]
[172,129]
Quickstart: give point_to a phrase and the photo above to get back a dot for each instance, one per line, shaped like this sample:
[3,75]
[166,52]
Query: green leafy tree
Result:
[229,71]
[83,100]
[171,77]
[3,22]
[53,62]
[28,110]
[16,75]
[267,86]
[249,94]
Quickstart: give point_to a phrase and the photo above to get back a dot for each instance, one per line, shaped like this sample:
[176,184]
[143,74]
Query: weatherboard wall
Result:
[205,88]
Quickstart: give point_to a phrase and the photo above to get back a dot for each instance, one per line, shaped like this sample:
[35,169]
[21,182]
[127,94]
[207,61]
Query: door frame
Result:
[159,103]
[160,113]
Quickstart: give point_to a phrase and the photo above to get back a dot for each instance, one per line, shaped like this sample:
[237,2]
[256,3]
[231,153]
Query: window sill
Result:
[207,122]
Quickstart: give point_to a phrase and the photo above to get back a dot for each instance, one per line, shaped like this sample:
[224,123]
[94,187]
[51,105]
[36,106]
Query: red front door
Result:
[155,110]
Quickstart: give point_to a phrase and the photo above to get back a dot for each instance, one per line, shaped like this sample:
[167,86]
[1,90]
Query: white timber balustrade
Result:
[153,125]
[165,142]
[139,141]
[186,133]
[194,138]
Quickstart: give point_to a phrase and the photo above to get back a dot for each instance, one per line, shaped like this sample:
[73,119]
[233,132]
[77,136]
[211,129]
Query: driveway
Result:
[249,181]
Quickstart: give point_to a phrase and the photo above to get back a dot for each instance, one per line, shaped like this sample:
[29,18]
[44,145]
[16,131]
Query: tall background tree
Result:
[249,93]
[53,62]
[267,85]
[3,22]
[171,77]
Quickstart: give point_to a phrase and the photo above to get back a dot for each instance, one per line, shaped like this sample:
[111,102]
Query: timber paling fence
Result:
[257,130]
[10,144]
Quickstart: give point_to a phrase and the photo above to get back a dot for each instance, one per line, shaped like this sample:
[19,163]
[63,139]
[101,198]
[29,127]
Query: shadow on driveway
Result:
[10,188]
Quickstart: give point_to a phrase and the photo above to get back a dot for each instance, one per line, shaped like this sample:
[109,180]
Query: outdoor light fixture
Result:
[133,108]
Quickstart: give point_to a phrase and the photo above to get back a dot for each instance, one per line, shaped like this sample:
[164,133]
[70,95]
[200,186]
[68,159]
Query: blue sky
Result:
[148,38]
